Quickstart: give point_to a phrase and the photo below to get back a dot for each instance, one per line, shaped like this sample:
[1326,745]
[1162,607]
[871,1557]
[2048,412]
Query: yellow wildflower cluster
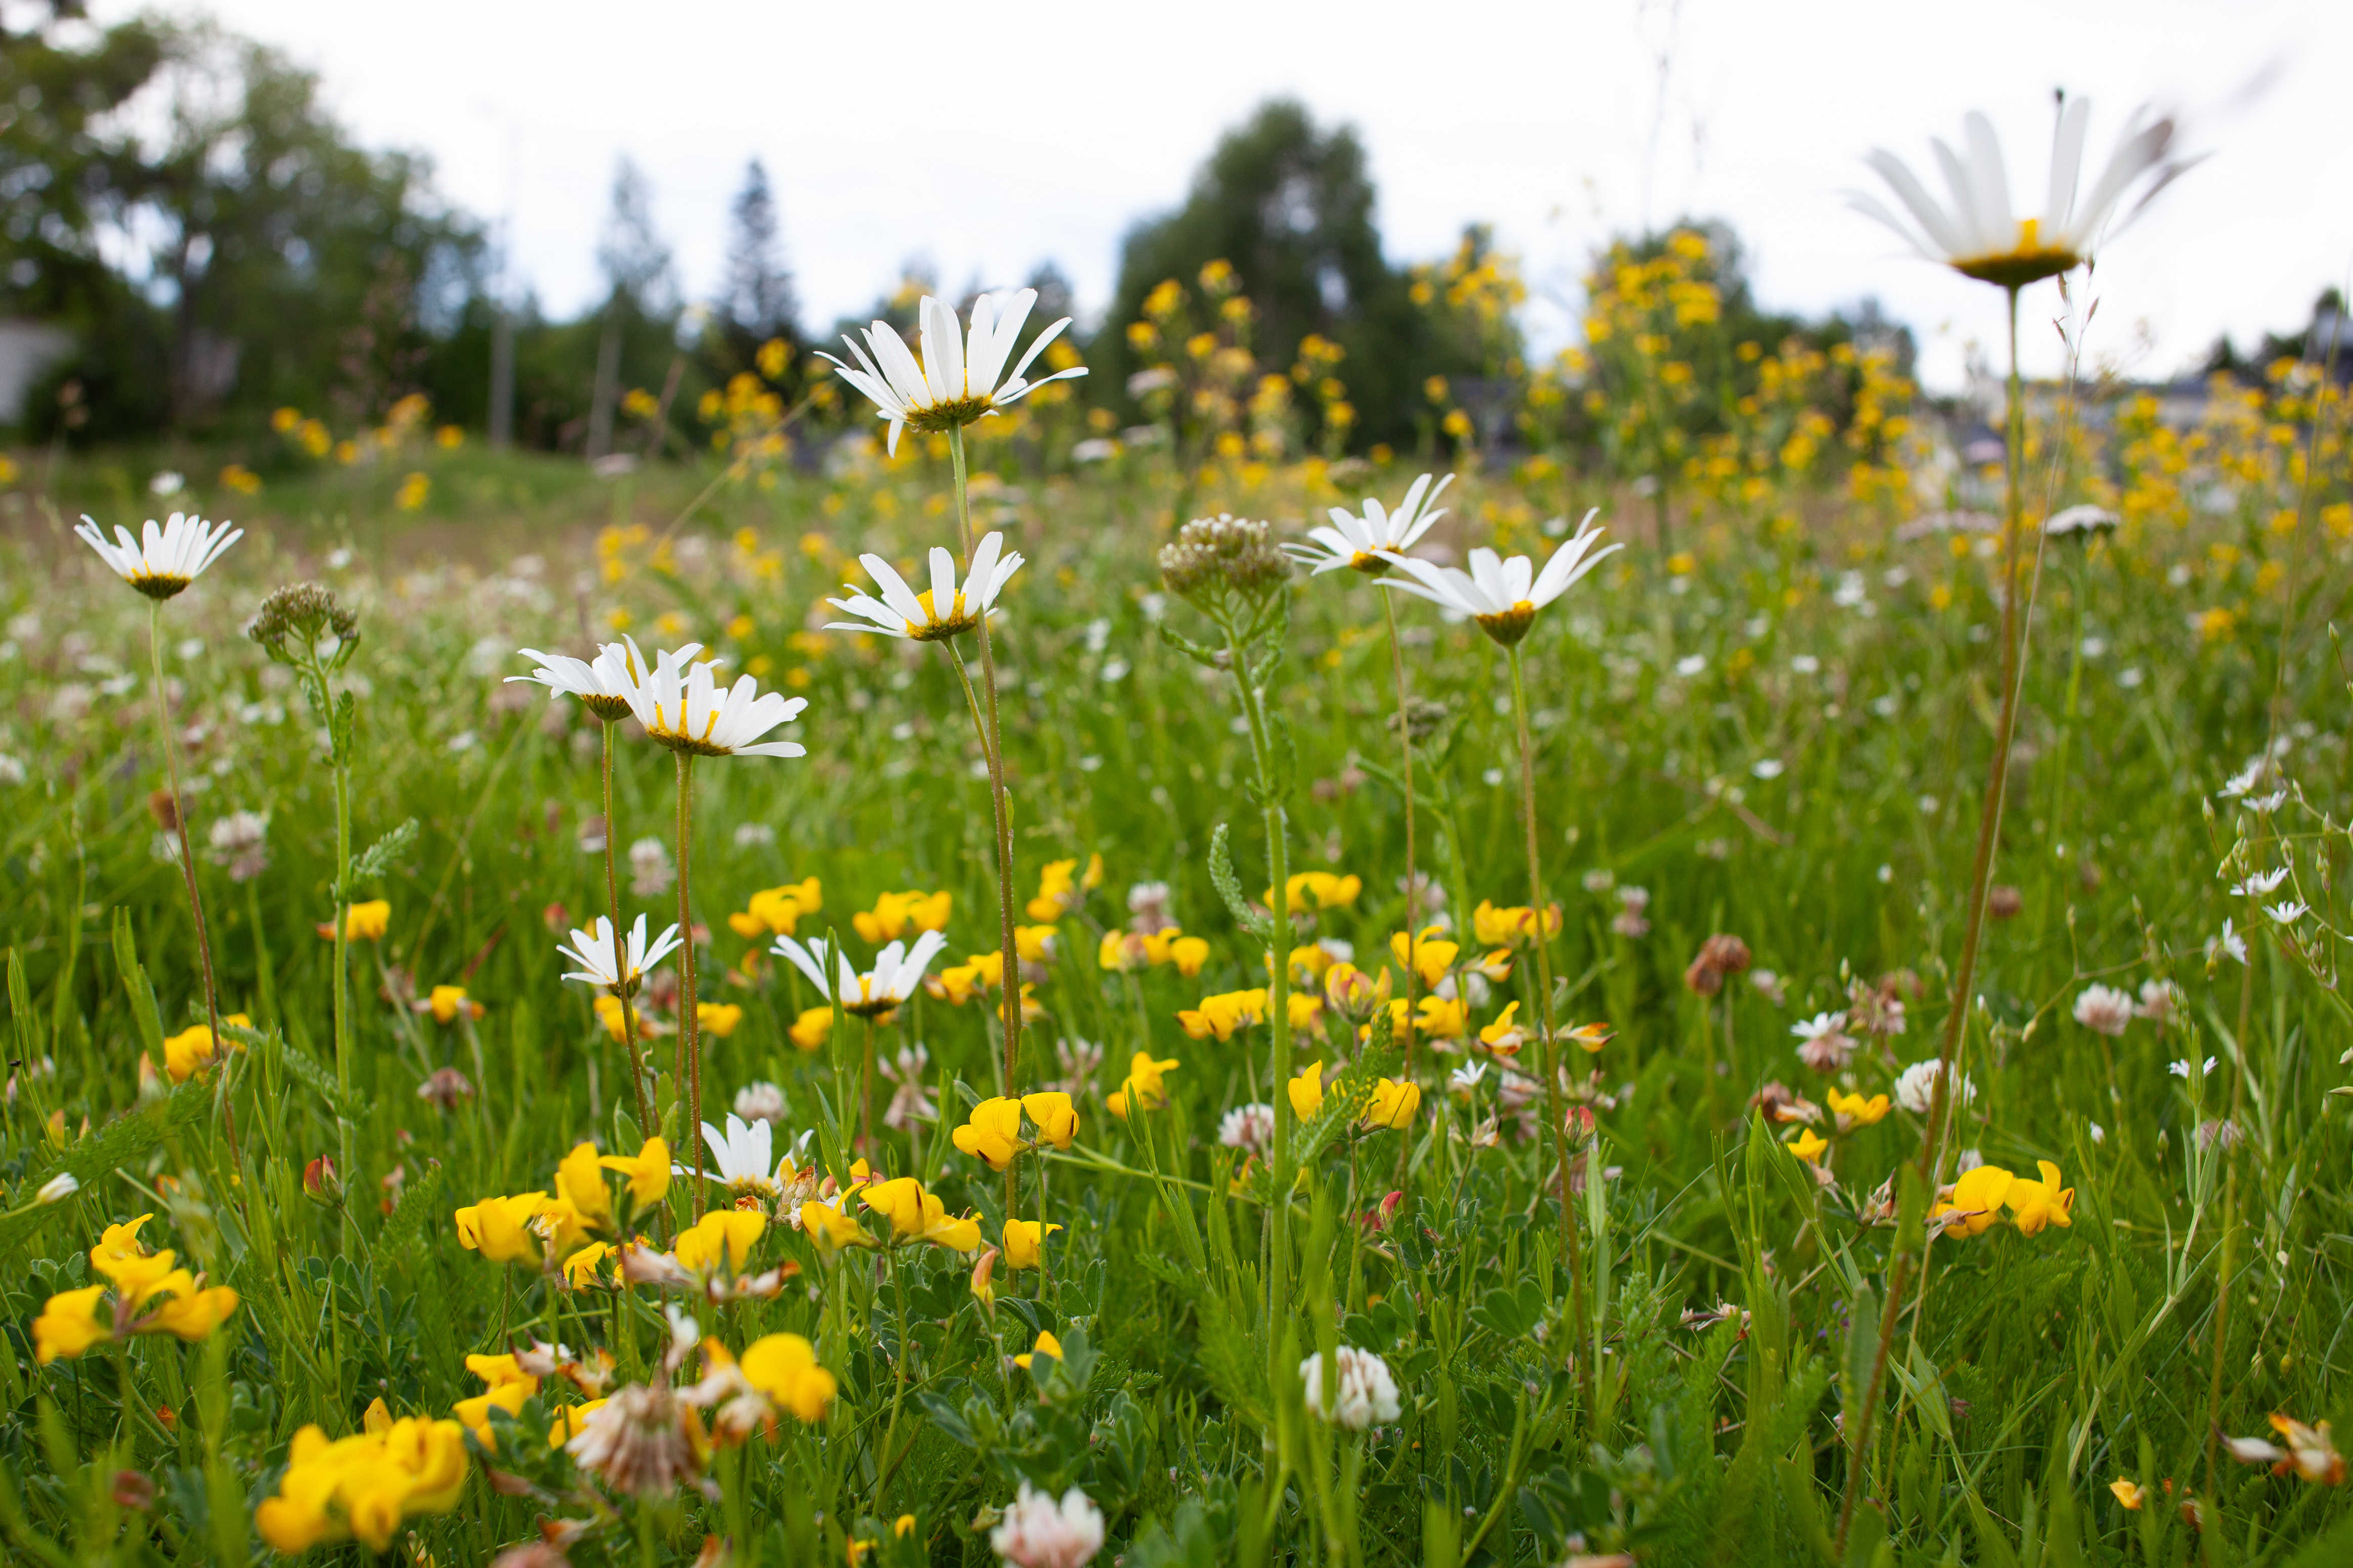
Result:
[191,1050]
[143,1292]
[361,1487]
[894,915]
[1127,949]
[775,911]
[1144,1089]
[1062,889]
[994,1131]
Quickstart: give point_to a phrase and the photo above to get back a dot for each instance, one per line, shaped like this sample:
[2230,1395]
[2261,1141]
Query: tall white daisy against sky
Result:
[1365,541]
[603,686]
[957,380]
[1502,595]
[163,560]
[945,610]
[622,971]
[1979,234]
[161,564]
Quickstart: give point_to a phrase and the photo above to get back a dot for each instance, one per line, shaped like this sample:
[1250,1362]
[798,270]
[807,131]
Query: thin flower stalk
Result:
[613,905]
[1539,941]
[993,748]
[1412,882]
[188,868]
[690,1025]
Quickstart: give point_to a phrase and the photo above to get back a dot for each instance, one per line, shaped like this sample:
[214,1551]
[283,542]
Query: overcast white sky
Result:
[989,139]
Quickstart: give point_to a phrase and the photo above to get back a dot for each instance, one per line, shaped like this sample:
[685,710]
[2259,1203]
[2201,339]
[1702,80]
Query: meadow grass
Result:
[1781,734]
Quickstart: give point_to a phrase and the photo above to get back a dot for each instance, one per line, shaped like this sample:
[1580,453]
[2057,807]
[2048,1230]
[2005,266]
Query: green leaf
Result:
[1213,657]
[135,981]
[1862,1354]
[1230,887]
[378,857]
[408,1216]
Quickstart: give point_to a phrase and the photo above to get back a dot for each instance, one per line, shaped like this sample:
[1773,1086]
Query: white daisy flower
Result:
[1362,541]
[743,1158]
[600,965]
[956,381]
[2085,520]
[898,970]
[1978,235]
[941,611]
[163,560]
[684,709]
[1915,1086]
[1503,596]
[602,684]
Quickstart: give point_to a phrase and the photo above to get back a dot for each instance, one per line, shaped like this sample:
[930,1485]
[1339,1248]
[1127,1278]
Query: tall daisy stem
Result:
[1981,873]
[188,867]
[993,747]
[1537,940]
[1412,882]
[689,1025]
[646,1127]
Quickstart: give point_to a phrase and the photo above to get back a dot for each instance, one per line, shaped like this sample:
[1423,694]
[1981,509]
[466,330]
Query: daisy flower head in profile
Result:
[164,559]
[684,709]
[602,684]
[958,379]
[1979,235]
[1503,596]
[616,966]
[744,1157]
[944,610]
[877,994]
[1364,541]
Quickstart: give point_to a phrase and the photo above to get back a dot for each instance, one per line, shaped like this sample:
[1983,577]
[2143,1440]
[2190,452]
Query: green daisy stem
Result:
[690,1025]
[188,869]
[646,1127]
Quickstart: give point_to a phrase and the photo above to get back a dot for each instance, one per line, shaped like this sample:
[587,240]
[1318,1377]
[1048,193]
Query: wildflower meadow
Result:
[948,979]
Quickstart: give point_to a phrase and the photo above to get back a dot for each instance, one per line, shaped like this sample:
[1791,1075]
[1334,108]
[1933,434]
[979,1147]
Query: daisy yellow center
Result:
[1508,627]
[2029,260]
[157,585]
[936,416]
[936,627]
[1370,564]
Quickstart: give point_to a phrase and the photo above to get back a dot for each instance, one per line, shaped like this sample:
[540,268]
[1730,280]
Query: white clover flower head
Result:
[761,1101]
[623,971]
[1978,235]
[1249,1128]
[898,970]
[163,560]
[240,840]
[2160,1000]
[1823,1043]
[1364,1391]
[2104,1009]
[940,612]
[1502,595]
[1364,542]
[1038,1532]
[958,380]
[1915,1088]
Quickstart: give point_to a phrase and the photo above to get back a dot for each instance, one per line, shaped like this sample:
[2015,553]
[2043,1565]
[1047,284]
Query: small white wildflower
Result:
[2287,911]
[650,872]
[2231,943]
[1766,767]
[761,1101]
[1823,1042]
[57,1188]
[2160,1000]
[2181,1068]
[2259,884]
